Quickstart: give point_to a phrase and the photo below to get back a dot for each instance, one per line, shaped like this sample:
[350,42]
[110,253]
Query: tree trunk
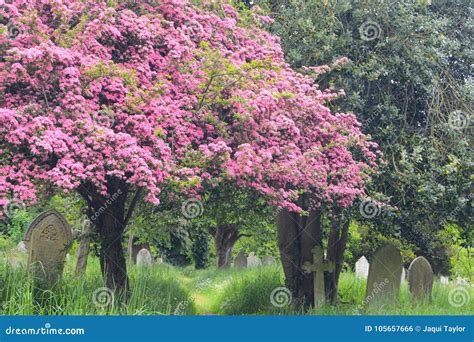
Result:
[112,258]
[297,235]
[225,237]
[108,216]
[335,254]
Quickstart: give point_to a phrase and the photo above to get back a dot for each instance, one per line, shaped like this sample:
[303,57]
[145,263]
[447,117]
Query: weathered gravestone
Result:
[134,247]
[362,268]
[21,247]
[318,267]
[241,260]
[444,280]
[48,239]
[144,258]
[385,271]
[253,260]
[268,260]
[84,249]
[460,281]
[420,278]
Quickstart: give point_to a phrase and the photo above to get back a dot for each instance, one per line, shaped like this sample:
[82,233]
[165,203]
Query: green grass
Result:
[352,295]
[165,290]
[154,291]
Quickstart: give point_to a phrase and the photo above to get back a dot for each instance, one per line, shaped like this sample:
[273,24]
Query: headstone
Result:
[48,239]
[318,267]
[84,249]
[159,260]
[134,247]
[241,260]
[268,260]
[144,257]
[460,281]
[362,268]
[385,272]
[21,247]
[404,275]
[444,280]
[420,278]
[253,260]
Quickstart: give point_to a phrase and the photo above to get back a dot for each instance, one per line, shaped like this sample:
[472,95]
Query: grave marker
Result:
[48,239]
[253,260]
[268,260]
[404,274]
[420,279]
[385,272]
[241,260]
[83,249]
[444,280]
[144,258]
[362,268]
[318,267]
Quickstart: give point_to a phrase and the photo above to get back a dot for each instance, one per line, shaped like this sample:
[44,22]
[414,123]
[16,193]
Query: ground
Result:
[165,290]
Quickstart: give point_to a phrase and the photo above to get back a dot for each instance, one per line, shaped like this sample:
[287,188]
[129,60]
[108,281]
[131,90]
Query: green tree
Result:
[409,81]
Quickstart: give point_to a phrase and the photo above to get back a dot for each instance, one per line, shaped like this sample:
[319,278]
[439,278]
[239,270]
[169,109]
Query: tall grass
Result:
[154,291]
[445,300]
[165,290]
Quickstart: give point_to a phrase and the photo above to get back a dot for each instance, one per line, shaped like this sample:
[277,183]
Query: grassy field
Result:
[165,290]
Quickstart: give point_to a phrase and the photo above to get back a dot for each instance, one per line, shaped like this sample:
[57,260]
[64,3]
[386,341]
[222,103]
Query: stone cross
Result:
[84,248]
[318,267]
[48,239]
[362,268]
[420,279]
[144,258]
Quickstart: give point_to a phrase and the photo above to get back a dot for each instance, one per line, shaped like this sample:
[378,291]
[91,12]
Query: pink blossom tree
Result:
[119,102]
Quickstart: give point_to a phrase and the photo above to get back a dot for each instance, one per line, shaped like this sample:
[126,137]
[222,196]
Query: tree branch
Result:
[132,206]
[244,235]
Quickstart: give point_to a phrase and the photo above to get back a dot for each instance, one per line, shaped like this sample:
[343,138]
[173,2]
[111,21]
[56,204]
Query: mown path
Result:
[203,294]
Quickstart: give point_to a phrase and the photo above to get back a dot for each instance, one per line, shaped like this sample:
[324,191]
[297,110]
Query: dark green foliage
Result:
[200,249]
[178,251]
[405,86]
